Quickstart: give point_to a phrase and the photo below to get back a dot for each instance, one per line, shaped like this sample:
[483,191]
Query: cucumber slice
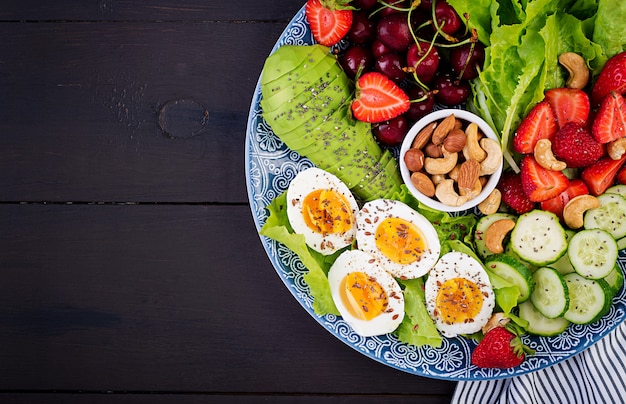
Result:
[609,216]
[619,189]
[539,238]
[615,279]
[621,243]
[590,299]
[513,271]
[481,228]
[538,324]
[563,265]
[550,296]
[593,253]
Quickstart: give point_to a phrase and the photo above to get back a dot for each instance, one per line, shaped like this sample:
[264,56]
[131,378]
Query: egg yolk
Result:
[363,296]
[400,240]
[326,211]
[459,300]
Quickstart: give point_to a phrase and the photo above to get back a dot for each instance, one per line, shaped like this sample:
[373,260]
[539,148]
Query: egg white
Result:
[373,213]
[303,184]
[360,261]
[458,265]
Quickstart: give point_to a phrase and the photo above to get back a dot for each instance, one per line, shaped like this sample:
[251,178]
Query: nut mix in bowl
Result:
[451,160]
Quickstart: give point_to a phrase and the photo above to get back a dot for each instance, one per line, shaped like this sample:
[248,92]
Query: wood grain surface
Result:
[131,268]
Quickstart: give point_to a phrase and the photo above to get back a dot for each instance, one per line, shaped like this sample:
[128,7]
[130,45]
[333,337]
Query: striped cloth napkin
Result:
[596,375]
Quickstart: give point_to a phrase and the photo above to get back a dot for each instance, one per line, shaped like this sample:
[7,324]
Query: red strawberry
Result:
[569,105]
[499,348]
[378,98]
[513,194]
[610,122]
[601,175]
[612,78]
[555,205]
[539,183]
[540,123]
[330,20]
[621,175]
[574,145]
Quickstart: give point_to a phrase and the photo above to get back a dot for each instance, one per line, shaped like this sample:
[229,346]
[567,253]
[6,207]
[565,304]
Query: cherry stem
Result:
[438,27]
[425,96]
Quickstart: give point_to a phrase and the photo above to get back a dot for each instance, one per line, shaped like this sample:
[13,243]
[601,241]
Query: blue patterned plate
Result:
[270,166]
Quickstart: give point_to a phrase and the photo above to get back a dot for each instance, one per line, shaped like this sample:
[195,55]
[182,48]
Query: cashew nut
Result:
[577,69]
[472,150]
[447,195]
[491,204]
[616,148]
[437,178]
[575,209]
[496,320]
[442,165]
[545,157]
[495,234]
[494,156]
[454,173]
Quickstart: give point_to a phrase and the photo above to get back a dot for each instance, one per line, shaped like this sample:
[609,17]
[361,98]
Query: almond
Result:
[423,183]
[424,135]
[469,173]
[442,130]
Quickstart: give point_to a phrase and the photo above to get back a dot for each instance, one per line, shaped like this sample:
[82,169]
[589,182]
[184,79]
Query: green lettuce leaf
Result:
[277,228]
[610,26]
[417,328]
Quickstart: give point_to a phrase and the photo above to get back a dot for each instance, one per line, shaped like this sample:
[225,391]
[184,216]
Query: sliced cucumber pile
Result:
[539,238]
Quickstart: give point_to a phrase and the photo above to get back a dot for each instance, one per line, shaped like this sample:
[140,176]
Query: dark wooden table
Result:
[131,268]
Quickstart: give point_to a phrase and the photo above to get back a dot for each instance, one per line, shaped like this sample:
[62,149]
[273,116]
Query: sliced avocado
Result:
[384,184]
[288,58]
[320,101]
[281,91]
[316,136]
[344,159]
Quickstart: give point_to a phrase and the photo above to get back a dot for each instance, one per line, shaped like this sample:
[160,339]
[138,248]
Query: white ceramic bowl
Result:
[408,141]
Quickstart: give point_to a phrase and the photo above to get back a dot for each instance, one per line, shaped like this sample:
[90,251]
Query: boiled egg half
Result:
[404,241]
[459,296]
[369,299]
[322,208]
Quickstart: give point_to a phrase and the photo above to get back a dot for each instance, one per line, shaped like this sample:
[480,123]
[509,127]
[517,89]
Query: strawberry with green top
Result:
[378,99]
[610,121]
[539,183]
[540,123]
[330,20]
[500,348]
